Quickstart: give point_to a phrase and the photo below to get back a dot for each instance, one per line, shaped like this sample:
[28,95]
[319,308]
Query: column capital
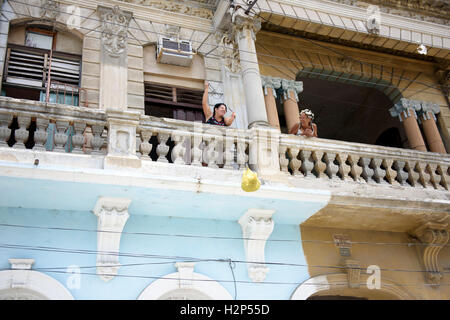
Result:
[114,29]
[291,85]
[242,23]
[429,107]
[405,106]
[270,82]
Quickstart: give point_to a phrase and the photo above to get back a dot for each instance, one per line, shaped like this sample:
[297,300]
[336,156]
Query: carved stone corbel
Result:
[112,215]
[433,236]
[257,225]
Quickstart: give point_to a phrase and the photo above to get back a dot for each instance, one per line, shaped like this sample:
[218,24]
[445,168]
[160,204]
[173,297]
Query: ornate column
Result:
[269,86]
[290,101]
[405,110]
[428,119]
[244,29]
[113,65]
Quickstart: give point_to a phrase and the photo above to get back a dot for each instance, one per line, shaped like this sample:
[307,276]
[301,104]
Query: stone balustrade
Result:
[192,143]
[52,127]
[314,158]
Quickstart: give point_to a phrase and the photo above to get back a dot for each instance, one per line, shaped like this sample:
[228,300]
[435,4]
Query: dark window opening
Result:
[173,102]
[28,68]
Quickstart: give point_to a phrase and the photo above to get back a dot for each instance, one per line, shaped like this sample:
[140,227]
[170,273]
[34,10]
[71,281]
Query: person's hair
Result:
[308,113]
[217,105]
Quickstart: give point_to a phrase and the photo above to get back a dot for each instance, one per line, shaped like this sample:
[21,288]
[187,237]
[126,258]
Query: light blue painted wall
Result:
[92,287]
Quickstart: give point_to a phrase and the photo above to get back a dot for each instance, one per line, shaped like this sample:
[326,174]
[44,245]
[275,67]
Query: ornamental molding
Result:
[50,9]
[433,236]
[229,51]
[257,226]
[176,7]
[418,108]
[114,29]
[112,214]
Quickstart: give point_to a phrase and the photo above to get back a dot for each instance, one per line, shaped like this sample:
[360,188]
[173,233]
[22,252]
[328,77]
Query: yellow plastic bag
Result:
[250,181]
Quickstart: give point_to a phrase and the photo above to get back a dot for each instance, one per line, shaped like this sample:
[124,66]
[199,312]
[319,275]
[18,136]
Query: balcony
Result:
[306,180]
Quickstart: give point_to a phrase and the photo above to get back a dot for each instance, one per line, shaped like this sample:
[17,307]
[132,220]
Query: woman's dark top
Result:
[213,120]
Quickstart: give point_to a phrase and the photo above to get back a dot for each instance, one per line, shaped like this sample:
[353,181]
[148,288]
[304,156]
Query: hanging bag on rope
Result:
[250,181]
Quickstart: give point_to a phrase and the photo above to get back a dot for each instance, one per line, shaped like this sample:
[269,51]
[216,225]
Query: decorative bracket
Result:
[257,225]
[112,215]
[434,236]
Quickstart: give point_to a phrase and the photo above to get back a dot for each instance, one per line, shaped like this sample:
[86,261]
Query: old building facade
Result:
[114,188]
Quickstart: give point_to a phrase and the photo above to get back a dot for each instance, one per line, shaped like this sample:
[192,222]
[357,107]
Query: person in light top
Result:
[217,117]
[305,127]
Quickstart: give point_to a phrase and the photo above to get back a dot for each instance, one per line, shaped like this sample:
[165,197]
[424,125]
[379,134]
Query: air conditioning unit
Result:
[173,51]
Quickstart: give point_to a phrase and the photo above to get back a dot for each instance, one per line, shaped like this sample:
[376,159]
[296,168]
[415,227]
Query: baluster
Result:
[209,153]
[419,169]
[402,176]
[218,148]
[138,144]
[367,172]
[294,162]
[430,171]
[196,151]
[344,168]
[97,139]
[391,174]
[412,175]
[5,133]
[145,146]
[40,135]
[356,170]
[162,149]
[229,152]
[307,164]
[378,172]
[319,166]
[78,138]
[22,133]
[242,157]
[444,177]
[284,161]
[60,135]
[178,150]
[331,168]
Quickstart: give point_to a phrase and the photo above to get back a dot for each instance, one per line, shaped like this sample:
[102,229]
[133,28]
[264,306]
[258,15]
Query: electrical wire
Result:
[192,259]
[289,69]
[345,284]
[219,56]
[342,54]
[409,244]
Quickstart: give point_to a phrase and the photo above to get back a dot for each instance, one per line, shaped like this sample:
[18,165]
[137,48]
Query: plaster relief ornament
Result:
[114,29]
[49,9]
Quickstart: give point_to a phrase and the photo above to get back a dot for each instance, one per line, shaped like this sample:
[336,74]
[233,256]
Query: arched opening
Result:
[336,287]
[43,63]
[347,111]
